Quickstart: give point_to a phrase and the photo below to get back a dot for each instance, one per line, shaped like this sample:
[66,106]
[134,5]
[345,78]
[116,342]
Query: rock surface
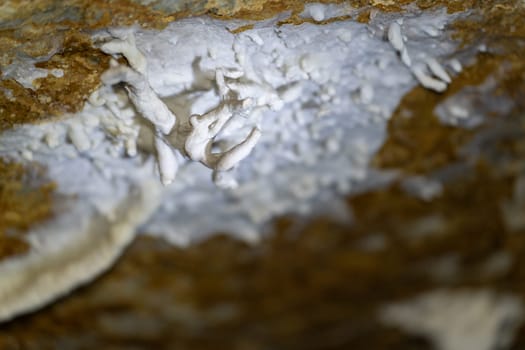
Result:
[446,227]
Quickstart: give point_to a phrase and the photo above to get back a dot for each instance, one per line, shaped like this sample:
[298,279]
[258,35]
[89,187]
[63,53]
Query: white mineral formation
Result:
[283,119]
[428,71]
[59,262]
[204,128]
[459,320]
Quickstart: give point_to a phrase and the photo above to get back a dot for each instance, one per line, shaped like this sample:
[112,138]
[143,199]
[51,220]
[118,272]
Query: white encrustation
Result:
[284,119]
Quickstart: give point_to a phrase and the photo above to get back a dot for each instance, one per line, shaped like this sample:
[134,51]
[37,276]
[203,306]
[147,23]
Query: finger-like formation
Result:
[429,72]
[203,128]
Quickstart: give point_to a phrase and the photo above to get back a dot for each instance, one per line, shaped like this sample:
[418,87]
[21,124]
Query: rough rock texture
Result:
[53,35]
[25,200]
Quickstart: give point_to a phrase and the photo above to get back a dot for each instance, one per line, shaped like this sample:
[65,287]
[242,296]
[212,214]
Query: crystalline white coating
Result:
[309,67]
[268,112]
